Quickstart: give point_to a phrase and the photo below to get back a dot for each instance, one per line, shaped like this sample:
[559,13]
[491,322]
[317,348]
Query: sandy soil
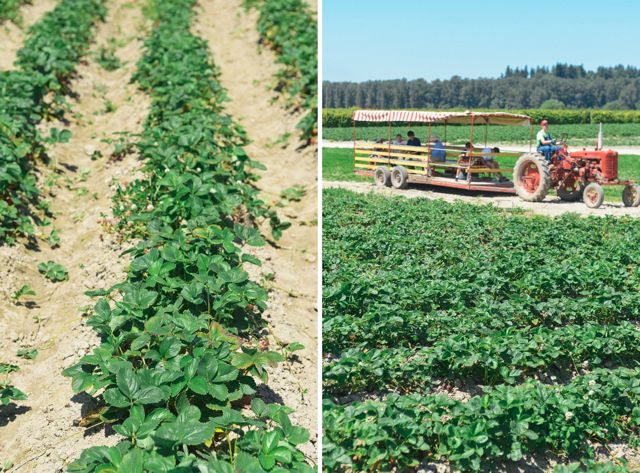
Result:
[247,73]
[505,146]
[39,434]
[550,206]
[12,36]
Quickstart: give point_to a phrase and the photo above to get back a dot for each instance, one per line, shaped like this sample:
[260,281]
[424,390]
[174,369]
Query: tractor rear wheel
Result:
[593,195]
[399,177]
[531,177]
[382,177]
[570,192]
[631,195]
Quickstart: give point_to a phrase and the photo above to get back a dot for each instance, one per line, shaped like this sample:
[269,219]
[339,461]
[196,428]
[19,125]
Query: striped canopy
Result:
[419,116]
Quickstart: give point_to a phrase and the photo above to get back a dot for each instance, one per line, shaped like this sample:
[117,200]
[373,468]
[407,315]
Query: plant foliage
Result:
[179,361]
[533,318]
[33,93]
[290,29]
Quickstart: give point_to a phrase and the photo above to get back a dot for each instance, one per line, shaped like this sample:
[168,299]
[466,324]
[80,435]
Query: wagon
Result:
[573,175]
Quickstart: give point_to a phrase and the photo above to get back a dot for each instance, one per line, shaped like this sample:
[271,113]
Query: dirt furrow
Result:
[551,206]
[40,431]
[290,268]
[12,36]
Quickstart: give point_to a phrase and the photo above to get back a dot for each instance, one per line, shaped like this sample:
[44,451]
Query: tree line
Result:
[556,87]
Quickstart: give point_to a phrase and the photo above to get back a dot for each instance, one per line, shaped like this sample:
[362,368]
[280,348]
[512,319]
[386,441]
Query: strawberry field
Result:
[133,231]
[474,338]
[289,28]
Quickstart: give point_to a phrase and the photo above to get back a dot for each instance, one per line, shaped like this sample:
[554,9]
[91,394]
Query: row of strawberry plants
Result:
[33,93]
[10,10]
[467,269]
[290,29]
[180,353]
[500,357]
[505,423]
[382,322]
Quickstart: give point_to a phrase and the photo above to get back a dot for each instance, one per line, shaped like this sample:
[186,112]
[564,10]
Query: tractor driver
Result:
[546,143]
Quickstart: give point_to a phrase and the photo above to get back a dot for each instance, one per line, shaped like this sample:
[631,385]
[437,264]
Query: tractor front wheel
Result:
[382,177]
[531,177]
[631,195]
[593,195]
[399,177]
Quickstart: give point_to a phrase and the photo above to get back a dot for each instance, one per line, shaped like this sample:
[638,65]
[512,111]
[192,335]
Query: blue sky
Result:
[435,39]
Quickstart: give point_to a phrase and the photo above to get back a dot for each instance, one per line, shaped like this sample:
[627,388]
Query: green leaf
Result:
[235,276]
[132,462]
[149,395]
[127,381]
[193,292]
[114,397]
[139,298]
[198,385]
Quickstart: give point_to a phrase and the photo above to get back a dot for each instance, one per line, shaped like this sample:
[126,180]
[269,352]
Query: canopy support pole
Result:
[486,132]
[389,134]
[530,135]
[471,137]
[428,169]
[354,142]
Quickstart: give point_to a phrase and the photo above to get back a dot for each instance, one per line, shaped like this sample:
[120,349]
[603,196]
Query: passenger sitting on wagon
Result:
[463,160]
[546,143]
[438,153]
[413,141]
[398,140]
[490,161]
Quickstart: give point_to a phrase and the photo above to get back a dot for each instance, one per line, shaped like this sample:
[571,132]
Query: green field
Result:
[615,134]
[337,165]
[475,336]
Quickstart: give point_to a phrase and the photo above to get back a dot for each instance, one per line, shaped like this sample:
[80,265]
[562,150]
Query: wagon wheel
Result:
[631,195]
[382,177]
[593,195]
[570,192]
[531,177]
[399,177]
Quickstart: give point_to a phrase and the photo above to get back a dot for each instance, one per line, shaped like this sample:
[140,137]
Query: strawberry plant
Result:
[180,358]
[10,10]
[31,94]
[534,318]
[27,353]
[25,290]
[290,29]
[53,271]
[8,392]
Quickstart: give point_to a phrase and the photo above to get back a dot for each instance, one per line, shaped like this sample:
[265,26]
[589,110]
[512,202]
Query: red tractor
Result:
[573,175]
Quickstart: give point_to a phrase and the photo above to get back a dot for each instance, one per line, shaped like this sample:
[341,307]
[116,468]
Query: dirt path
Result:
[41,428]
[505,146]
[551,206]
[12,36]
[246,74]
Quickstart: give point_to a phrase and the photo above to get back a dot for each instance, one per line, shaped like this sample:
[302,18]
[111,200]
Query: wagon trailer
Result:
[574,175]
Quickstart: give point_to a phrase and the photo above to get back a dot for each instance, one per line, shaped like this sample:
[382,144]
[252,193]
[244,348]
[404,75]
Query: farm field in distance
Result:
[153,233]
[615,134]
[473,338]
